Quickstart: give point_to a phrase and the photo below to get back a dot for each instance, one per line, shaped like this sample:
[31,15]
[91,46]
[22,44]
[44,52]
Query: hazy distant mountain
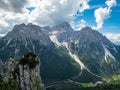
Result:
[85,55]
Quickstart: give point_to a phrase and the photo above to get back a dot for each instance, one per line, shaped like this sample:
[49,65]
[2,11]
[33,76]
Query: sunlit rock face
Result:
[7,70]
[29,73]
[25,73]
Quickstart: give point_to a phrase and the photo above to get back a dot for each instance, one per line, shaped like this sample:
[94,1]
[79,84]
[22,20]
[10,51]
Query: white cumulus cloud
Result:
[103,13]
[2,35]
[79,25]
[111,3]
[46,12]
[114,37]
[12,5]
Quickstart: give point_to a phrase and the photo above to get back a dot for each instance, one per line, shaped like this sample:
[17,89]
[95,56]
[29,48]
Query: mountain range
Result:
[83,56]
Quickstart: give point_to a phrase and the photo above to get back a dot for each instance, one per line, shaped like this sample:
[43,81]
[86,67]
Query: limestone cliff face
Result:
[30,78]
[25,73]
[7,69]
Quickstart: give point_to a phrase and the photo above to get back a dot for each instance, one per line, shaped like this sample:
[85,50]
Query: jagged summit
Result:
[29,32]
[64,27]
[29,37]
[89,32]
[65,23]
[29,24]
[87,28]
[23,25]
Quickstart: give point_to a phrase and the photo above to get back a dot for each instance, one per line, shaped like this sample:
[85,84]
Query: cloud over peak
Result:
[46,12]
[103,13]
[50,12]
[114,37]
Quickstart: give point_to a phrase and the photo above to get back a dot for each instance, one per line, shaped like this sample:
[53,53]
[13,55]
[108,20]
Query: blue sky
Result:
[101,15]
[111,24]
[30,9]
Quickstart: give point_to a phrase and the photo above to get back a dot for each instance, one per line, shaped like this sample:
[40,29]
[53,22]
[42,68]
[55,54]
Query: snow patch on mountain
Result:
[54,39]
[75,57]
[16,51]
[107,54]
[33,48]
[77,60]
[8,42]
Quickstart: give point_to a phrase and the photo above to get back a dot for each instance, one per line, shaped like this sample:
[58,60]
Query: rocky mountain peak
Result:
[87,28]
[64,27]
[29,24]
[29,32]
[90,34]
[65,23]
[19,26]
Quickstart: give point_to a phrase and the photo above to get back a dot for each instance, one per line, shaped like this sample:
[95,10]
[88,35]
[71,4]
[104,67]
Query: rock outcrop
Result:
[25,74]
